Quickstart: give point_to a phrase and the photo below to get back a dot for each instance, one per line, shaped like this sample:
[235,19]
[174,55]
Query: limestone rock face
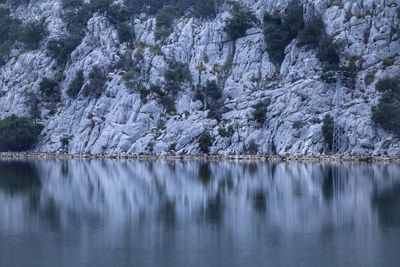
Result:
[119,121]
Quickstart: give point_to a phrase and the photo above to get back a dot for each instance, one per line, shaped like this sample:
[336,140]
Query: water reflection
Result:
[156,213]
[387,204]
[293,196]
[18,177]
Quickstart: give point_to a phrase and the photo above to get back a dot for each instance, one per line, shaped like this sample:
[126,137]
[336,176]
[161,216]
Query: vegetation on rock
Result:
[76,85]
[280,30]
[49,89]
[12,30]
[18,133]
[387,112]
[205,141]
[240,20]
[210,95]
[260,112]
[327,131]
[96,86]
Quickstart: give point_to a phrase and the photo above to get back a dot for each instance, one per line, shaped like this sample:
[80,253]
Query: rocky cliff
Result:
[298,99]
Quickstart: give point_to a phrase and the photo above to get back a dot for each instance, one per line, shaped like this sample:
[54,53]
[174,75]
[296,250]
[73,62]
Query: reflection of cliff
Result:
[388,206]
[292,196]
[18,177]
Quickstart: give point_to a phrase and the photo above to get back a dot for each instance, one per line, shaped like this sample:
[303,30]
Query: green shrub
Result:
[101,6]
[298,124]
[164,99]
[226,132]
[387,112]
[168,103]
[64,140]
[61,49]
[153,6]
[204,8]
[312,32]
[347,72]
[176,74]
[33,33]
[77,18]
[252,147]
[279,31]
[117,14]
[164,21]
[72,4]
[327,52]
[120,16]
[314,35]
[210,94]
[205,141]
[387,84]
[240,20]
[33,103]
[49,89]
[144,93]
[212,91]
[126,33]
[76,85]
[18,133]
[96,86]
[5,49]
[276,37]
[260,112]
[293,17]
[9,33]
[327,131]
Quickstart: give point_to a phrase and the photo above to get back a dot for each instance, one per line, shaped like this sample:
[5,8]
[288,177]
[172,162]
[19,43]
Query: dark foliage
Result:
[240,20]
[210,94]
[76,85]
[205,142]
[327,131]
[279,31]
[49,90]
[163,98]
[61,49]
[388,84]
[18,133]
[260,112]
[312,32]
[387,112]
[96,86]
[126,33]
[165,18]
[12,30]
[327,52]
[204,8]
[177,74]
[33,33]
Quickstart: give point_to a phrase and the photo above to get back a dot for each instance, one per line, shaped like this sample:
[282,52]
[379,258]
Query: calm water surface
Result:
[160,213]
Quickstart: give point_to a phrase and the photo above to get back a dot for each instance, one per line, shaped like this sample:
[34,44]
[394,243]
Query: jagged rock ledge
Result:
[64,156]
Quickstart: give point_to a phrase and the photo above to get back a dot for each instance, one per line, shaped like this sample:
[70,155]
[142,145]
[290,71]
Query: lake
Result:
[194,213]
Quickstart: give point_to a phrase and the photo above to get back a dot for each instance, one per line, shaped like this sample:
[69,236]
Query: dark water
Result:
[116,213]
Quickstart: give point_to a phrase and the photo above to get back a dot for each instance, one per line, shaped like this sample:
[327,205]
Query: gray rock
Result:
[119,121]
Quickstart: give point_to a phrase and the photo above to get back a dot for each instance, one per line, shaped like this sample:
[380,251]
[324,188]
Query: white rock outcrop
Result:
[119,122]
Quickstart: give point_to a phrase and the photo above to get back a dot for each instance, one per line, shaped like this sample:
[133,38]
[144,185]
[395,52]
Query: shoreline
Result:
[321,158]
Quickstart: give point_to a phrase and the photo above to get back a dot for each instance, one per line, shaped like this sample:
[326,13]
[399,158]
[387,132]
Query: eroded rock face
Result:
[120,122]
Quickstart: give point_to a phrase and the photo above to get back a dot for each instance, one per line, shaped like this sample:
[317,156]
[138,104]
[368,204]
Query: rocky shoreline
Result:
[314,158]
